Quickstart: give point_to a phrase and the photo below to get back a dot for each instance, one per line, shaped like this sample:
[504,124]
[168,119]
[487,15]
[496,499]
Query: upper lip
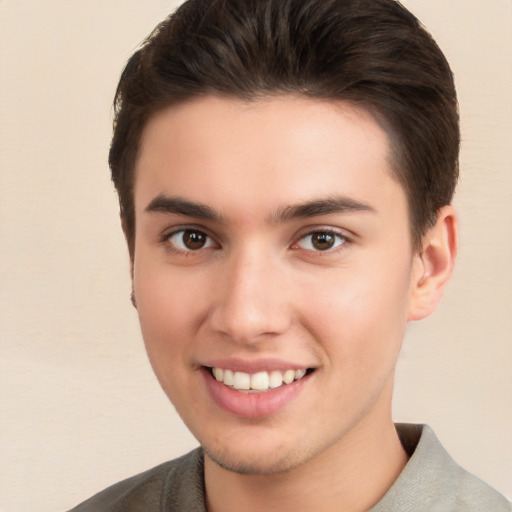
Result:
[255,365]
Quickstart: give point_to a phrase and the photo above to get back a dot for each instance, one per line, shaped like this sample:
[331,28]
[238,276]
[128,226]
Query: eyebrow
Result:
[179,206]
[315,208]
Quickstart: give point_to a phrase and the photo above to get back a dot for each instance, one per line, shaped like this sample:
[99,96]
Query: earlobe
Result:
[434,264]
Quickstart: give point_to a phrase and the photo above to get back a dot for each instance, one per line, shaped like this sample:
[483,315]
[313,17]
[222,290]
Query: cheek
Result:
[168,308]
[361,316]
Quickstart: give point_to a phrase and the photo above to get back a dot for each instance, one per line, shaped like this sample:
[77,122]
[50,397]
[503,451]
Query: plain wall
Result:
[80,407]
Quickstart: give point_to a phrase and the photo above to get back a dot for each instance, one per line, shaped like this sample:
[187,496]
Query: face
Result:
[273,272]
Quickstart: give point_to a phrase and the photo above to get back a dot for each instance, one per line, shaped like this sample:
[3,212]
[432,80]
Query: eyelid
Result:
[166,235]
[323,229]
[165,239]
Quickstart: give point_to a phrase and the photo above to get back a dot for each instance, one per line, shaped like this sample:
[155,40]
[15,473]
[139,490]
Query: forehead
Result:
[265,153]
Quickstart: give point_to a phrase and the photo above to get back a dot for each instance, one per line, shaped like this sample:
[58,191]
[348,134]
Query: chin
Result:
[253,458]
[251,464]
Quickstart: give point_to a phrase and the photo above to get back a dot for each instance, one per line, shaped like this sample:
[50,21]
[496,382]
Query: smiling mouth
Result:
[257,382]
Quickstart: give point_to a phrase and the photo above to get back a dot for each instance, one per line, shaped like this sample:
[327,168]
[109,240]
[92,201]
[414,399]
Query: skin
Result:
[259,290]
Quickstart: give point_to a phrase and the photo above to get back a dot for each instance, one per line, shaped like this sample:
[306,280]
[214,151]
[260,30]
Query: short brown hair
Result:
[371,52]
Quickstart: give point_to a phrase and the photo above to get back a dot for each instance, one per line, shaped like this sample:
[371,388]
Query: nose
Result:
[250,301]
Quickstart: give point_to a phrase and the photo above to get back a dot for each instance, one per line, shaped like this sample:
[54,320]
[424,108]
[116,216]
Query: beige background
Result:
[80,407]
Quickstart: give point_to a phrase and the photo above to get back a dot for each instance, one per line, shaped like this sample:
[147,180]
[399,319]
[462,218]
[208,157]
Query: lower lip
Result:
[252,405]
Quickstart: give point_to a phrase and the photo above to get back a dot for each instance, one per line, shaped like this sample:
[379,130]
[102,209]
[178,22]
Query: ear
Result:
[433,265]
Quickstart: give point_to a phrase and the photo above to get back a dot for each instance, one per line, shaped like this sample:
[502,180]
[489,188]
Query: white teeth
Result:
[242,381]
[288,376]
[275,379]
[260,381]
[299,374]
[229,377]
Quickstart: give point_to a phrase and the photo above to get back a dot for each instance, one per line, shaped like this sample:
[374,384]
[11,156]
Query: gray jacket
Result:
[431,481]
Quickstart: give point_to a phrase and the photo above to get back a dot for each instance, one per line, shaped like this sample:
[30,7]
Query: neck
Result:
[351,476]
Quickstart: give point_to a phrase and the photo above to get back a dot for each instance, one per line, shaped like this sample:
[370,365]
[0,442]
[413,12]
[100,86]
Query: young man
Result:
[285,170]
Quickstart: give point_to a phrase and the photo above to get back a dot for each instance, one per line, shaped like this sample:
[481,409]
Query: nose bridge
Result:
[250,301]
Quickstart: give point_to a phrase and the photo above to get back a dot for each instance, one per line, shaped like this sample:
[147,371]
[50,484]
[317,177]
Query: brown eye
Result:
[321,241]
[194,240]
[190,240]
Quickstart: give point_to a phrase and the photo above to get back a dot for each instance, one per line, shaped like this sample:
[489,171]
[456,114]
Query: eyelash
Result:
[172,247]
[340,240]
